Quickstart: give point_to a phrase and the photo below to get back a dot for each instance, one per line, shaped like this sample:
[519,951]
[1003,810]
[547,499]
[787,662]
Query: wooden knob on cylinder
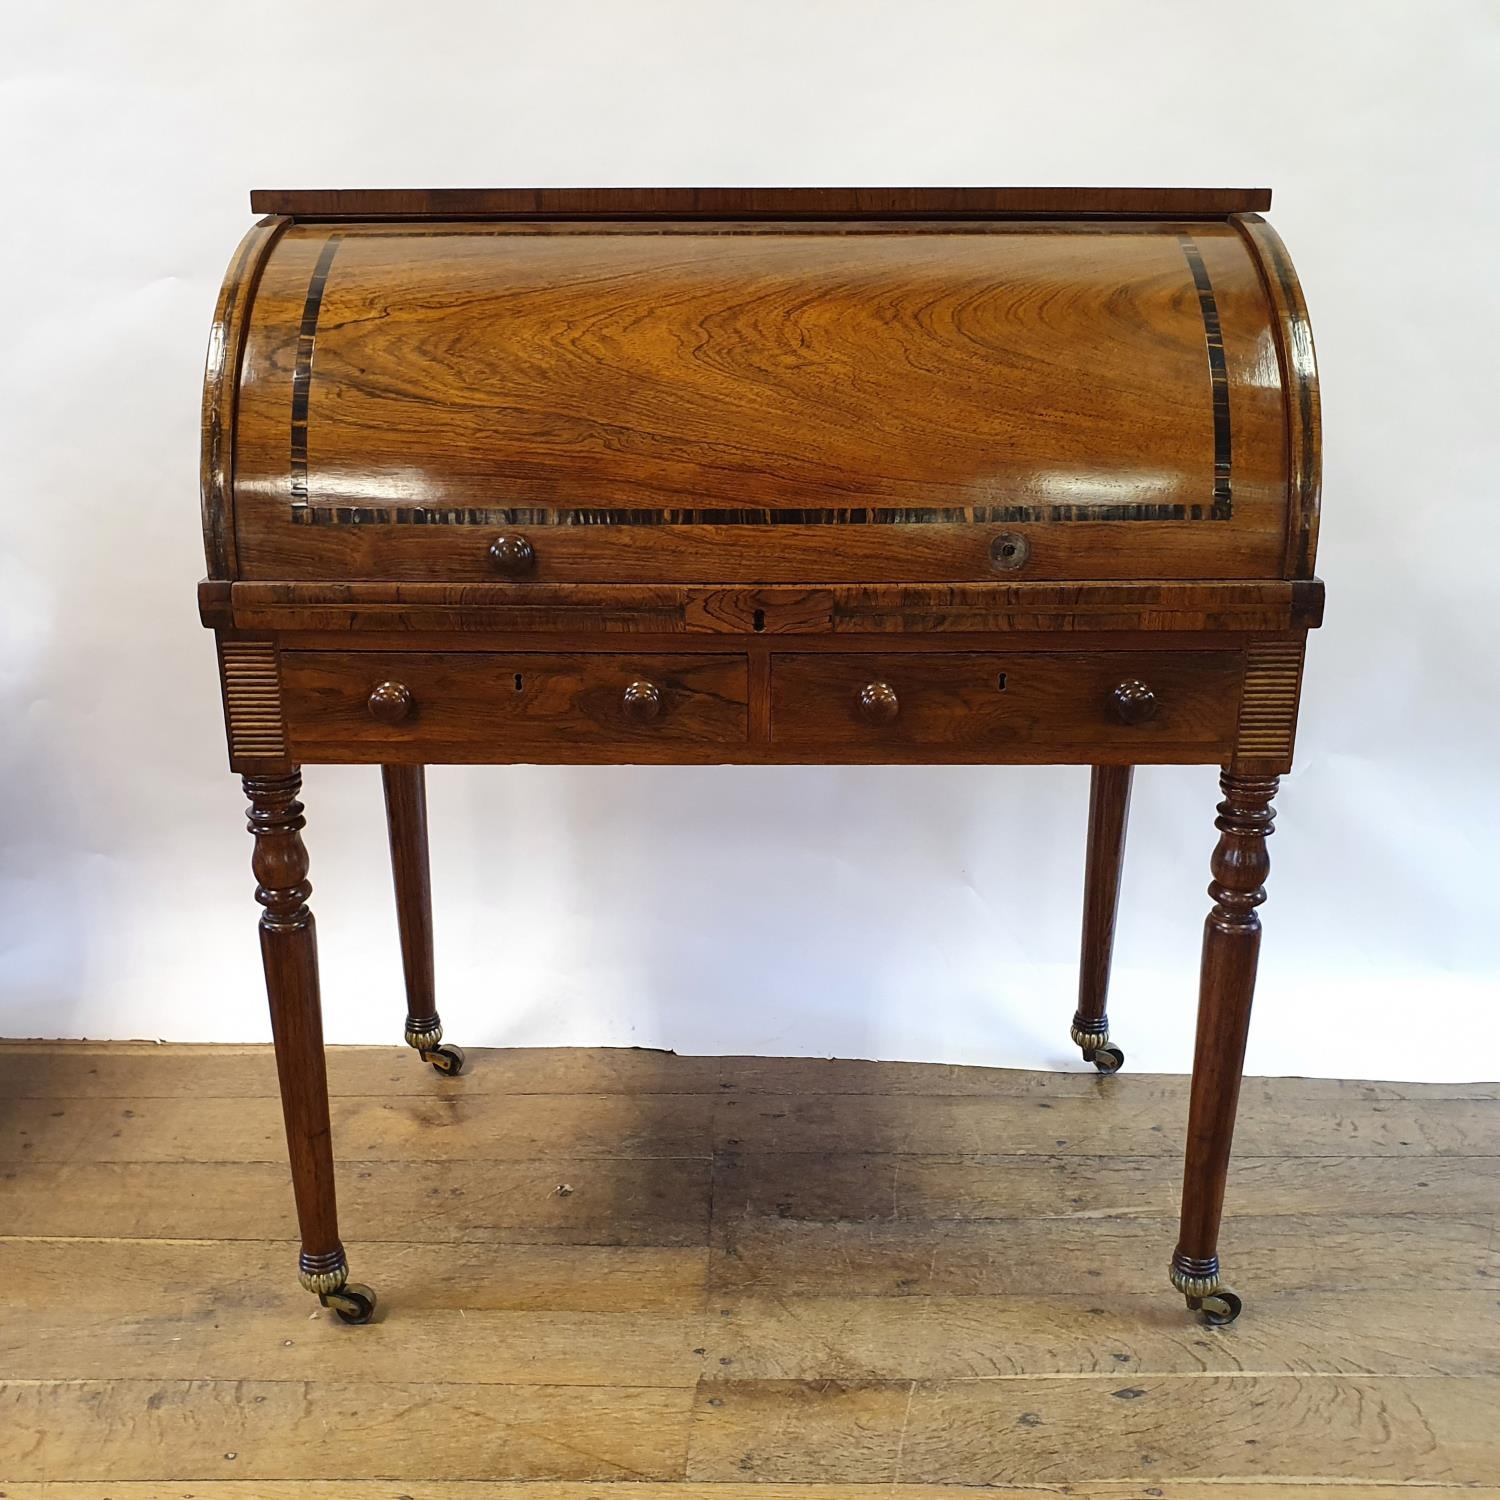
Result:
[878,703]
[389,702]
[642,702]
[513,555]
[1134,701]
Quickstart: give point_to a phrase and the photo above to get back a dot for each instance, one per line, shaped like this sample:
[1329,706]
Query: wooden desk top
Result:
[748,203]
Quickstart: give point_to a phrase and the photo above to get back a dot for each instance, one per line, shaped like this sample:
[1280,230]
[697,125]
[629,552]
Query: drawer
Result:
[395,707]
[1081,706]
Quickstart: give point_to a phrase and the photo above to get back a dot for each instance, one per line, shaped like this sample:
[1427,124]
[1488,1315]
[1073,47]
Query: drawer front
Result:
[1092,707]
[395,707]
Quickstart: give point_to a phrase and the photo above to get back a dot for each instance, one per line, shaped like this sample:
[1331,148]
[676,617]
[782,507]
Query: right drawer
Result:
[1097,706]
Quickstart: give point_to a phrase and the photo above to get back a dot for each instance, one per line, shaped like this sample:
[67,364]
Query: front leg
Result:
[1231,947]
[289,950]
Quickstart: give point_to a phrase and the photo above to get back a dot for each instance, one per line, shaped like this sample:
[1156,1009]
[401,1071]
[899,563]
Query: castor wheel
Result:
[1108,1058]
[354,1302]
[446,1059]
[1219,1308]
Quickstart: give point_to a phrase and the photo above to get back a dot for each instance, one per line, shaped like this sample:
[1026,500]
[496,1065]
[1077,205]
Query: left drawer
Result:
[451,706]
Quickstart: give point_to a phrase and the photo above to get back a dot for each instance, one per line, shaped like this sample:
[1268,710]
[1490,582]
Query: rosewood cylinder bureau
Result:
[811,475]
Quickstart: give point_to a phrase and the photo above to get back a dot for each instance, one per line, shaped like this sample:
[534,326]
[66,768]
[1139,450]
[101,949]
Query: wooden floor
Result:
[735,1279]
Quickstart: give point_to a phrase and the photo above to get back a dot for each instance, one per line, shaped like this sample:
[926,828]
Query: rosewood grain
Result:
[226,347]
[1231,950]
[250,676]
[850,475]
[289,949]
[845,204]
[1109,813]
[513,706]
[710,396]
[918,610]
[406,819]
[1294,345]
[1003,705]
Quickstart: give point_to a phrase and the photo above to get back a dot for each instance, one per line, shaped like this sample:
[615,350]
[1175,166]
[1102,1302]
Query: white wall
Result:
[905,913]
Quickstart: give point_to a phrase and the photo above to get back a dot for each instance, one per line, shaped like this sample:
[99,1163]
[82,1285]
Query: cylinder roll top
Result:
[771,401]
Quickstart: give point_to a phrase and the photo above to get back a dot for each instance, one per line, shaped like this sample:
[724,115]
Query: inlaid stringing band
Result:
[302,371]
[1218,374]
[304,512]
[521,515]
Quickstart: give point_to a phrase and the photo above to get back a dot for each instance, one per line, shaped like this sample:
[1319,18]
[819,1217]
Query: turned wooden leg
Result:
[406,818]
[289,950]
[1109,811]
[1231,946]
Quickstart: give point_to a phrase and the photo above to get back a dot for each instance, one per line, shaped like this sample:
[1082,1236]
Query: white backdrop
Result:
[901,913]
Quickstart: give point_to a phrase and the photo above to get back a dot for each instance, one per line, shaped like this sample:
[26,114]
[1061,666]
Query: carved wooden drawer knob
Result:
[513,555]
[878,703]
[390,702]
[1134,701]
[642,702]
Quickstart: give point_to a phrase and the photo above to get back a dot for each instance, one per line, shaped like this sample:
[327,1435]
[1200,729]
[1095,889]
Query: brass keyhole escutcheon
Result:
[1009,551]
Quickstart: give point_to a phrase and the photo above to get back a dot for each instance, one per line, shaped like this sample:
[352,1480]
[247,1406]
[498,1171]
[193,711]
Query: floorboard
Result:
[623,1275]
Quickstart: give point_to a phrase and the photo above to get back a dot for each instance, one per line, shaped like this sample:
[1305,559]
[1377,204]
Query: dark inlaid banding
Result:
[850,515]
[1218,374]
[302,374]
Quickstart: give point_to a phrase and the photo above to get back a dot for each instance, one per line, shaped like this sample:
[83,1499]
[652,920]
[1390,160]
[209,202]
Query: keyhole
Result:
[1000,682]
[519,683]
[760,619]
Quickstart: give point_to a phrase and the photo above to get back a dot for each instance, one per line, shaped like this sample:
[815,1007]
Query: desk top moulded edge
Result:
[760,203]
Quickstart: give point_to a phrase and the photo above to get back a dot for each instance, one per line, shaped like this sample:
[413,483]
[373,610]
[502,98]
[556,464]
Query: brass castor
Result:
[446,1059]
[354,1302]
[1219,1308]
[1091,1036]
[1108,1058]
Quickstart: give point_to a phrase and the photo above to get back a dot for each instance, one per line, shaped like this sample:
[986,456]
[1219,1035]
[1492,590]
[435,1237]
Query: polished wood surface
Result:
[952,552]
[870,475]
[392,707]
[670,1329]
[1109,816]
[917,610]
[411,873]
[891,404]
[1231,950]
[754,203]
[522,706]
[1294,345]
[989,706]
[288,943]
[226,349]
